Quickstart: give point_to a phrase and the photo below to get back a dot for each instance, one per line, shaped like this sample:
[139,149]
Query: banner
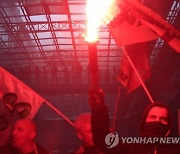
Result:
[154,22]
[127,30]
[139,53]
[9,83]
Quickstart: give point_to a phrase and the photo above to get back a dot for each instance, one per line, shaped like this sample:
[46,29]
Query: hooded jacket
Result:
[100,127]
[146,111]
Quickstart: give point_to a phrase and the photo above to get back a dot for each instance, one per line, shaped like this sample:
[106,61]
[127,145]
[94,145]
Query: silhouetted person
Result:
[79,73]
[74,74]
[66,75]
[29,73]
[54,73]
[114,75]
[44,75]
[37,75]
[88,73]
[106,76]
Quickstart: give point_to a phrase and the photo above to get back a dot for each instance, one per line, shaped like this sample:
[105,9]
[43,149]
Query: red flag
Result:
[6,124]
[129,31]
[126,29]
[9,83]
[148,21]
[139,54]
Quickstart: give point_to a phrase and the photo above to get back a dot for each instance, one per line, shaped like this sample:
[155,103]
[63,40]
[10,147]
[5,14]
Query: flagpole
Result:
[58,112]
[116,106]
[138,76]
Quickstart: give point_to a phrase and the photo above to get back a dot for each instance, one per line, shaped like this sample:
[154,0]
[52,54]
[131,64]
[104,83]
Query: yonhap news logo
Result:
[151,140]
[112,140]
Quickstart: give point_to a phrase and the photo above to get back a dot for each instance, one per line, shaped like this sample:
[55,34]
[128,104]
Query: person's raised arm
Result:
[99,118]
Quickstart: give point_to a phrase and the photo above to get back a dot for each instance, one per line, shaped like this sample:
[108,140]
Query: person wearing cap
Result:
[156,122]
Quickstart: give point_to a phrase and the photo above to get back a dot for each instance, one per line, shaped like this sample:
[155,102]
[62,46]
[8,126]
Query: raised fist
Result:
[96,98]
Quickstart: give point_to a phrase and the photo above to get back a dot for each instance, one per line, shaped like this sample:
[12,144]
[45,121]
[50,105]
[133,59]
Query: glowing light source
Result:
[98,12]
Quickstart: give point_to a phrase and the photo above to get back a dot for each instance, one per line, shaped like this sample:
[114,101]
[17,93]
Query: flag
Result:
[6,124]
[127,29]
[9,83]
[139,53]
[154,22]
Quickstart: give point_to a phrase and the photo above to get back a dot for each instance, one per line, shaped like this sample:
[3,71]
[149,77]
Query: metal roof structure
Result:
[37,35]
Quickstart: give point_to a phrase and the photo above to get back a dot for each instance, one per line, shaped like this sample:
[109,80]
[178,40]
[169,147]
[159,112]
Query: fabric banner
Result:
[139,53]
[154,22]
[133,25]
[9,83]
[127,30]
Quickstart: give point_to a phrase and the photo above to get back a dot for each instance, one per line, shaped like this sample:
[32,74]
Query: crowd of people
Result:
[93,130]
[66,75]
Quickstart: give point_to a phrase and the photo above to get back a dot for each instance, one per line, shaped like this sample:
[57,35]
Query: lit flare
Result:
[99,12]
